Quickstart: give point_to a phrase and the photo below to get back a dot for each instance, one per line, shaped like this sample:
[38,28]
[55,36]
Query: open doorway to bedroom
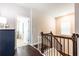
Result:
[22,32]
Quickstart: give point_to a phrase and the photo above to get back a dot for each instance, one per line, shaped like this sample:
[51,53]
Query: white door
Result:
[25,30]
[22,28]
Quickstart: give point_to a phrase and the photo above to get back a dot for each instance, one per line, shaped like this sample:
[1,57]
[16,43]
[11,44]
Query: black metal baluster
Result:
[75,36]
[64,44]
[57,48]
[49,44]
[54,46]
[60,43]
[68,46]
[45,45]
[42,42]
[47,48]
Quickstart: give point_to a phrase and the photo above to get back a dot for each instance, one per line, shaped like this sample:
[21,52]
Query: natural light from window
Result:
[66,26]
[3,20]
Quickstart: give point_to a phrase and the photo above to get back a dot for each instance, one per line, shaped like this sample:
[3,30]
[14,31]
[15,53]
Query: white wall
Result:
[77,23]
[11,11]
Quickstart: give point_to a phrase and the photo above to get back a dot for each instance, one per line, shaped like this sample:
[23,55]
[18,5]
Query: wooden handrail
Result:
[61,36]
[66,37]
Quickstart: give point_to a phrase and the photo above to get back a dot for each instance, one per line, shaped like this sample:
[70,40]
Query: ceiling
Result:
[53,9]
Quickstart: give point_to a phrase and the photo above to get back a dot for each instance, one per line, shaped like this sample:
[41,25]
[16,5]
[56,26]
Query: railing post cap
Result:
[41,32]
[50,31]
[76,35]
[73,35]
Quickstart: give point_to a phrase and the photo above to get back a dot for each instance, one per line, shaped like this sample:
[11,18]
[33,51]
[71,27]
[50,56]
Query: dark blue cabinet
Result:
[7,42]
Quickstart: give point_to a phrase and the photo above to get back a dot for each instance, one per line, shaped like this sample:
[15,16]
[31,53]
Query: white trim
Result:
[34,43]
[31,25]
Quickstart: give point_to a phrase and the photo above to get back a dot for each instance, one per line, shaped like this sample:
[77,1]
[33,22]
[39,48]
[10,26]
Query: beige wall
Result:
[68,18]
[42,24]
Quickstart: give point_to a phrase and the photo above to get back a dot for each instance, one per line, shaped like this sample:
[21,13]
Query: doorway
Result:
[22,31]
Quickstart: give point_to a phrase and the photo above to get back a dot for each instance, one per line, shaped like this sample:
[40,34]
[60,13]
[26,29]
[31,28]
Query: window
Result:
[65,28]
[3,22]
[65,25]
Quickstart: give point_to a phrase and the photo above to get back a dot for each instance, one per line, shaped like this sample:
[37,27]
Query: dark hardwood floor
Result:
[27,51]
[44,46]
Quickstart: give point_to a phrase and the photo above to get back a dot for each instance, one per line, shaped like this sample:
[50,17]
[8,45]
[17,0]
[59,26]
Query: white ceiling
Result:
[53,9]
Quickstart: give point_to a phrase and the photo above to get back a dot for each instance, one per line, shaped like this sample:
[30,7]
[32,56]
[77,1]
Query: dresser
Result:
[7,42]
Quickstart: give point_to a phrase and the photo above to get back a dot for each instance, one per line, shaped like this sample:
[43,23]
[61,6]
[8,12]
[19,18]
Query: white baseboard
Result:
[35,43]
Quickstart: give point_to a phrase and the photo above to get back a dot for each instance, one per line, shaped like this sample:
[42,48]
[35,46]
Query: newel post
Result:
[42,42]
[51,39]
[74,37]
